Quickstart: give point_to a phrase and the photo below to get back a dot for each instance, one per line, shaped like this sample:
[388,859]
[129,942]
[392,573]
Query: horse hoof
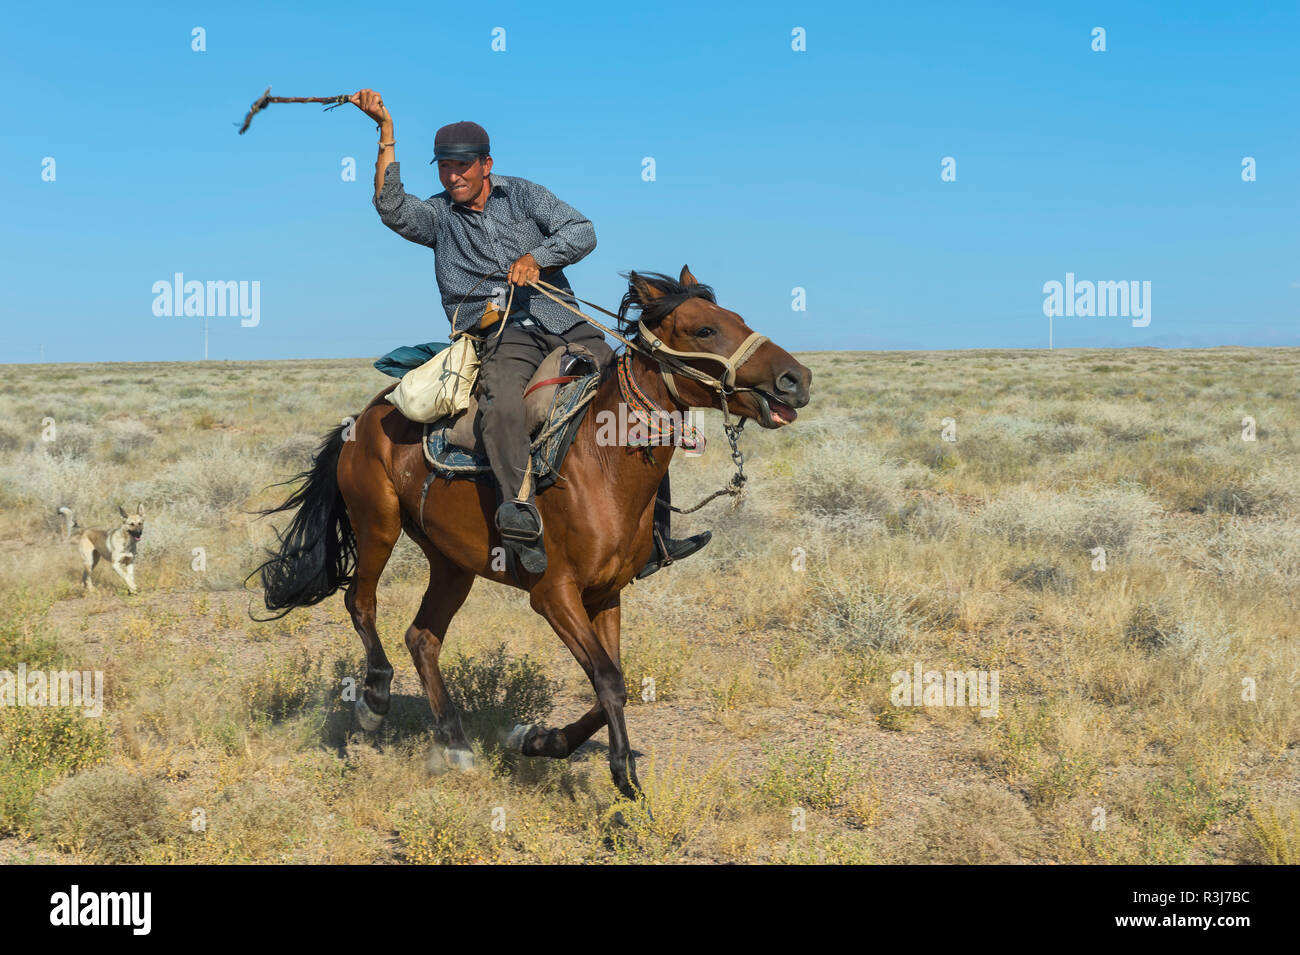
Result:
[515,741]
[461,760]
[368,718]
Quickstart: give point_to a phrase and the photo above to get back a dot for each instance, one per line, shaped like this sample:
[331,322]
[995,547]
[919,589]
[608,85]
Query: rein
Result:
[671,357]
[666,358]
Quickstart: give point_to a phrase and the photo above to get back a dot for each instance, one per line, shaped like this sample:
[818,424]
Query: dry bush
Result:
[813,776]
[679,804]
[435,828]
[38,745]
[495,692]
[834,848]
[1271,835]
[848,478]
[1264,552]
[1161,818]
[1051,752]
[43,481]
[252,822]
[109,814]
[979,825]
[1116,518]
[213,481]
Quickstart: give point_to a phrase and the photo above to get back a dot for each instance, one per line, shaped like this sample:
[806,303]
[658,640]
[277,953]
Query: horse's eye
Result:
[705,332]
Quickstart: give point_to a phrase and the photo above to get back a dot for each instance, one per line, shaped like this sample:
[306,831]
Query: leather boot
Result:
[667,549]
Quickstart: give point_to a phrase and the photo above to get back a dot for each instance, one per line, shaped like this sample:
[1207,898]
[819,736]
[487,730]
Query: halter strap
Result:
[668,357]
[727,383]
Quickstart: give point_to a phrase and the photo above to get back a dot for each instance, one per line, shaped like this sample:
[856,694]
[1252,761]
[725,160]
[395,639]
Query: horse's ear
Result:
[645,292]
[687,278]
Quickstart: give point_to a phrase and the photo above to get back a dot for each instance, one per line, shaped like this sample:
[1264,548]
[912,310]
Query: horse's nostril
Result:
[787,383]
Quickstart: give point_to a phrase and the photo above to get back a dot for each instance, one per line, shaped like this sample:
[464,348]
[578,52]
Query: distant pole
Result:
[205,338]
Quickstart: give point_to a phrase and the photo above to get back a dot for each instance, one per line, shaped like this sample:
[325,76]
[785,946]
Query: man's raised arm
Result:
[405,214]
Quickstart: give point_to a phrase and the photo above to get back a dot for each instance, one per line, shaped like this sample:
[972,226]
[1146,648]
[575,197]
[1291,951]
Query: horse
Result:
[366,486]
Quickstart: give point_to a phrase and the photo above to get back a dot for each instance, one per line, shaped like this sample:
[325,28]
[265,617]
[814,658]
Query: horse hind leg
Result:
[377,523]
[449,585]
[556,743]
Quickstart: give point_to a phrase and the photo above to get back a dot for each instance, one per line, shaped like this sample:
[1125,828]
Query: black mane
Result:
[673,293]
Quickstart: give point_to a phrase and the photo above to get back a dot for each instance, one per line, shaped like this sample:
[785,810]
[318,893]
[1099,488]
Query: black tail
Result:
[318,553]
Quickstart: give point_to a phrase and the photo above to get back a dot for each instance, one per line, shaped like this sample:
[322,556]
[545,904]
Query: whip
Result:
[266,99]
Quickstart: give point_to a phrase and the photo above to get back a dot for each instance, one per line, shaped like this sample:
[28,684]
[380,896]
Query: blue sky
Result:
[775,169]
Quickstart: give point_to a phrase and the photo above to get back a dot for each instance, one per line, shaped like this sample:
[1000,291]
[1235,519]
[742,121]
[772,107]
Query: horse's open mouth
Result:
[775,414]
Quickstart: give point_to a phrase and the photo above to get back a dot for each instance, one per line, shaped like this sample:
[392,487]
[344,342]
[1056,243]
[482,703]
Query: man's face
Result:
[464,180]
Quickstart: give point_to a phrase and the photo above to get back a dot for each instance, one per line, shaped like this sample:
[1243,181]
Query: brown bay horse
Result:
[365,487]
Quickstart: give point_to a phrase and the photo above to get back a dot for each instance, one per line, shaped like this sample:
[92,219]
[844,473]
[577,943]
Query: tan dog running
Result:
[116,546]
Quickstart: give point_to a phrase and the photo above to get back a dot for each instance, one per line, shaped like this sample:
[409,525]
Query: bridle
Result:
[671,358]
[672,361]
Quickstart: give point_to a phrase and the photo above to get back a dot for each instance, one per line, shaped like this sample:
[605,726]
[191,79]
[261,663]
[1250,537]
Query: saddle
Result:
[556,399]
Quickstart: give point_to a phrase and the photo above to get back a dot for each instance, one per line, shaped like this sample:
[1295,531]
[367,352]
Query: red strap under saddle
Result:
[562,380]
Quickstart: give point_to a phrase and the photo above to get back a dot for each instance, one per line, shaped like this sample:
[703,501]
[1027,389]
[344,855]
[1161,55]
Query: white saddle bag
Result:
[441,386]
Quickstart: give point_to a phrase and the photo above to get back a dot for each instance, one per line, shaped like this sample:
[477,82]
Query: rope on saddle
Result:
[551,431]
[552,427]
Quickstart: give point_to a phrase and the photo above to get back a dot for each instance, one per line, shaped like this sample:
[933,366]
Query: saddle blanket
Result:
[549,446]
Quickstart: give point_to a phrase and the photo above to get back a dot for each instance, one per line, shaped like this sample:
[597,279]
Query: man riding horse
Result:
[482,224]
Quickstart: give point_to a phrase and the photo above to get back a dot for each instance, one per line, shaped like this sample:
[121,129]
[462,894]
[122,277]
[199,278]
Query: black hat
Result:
[464,140]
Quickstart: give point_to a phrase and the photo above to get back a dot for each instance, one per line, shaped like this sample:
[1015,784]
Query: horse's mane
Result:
[672,294]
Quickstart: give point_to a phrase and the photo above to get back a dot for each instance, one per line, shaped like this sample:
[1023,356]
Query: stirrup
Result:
[512,530]
[671,550]
[524,543]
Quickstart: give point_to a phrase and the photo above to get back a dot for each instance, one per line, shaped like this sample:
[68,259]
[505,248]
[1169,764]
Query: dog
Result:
[70,525]
[116,546]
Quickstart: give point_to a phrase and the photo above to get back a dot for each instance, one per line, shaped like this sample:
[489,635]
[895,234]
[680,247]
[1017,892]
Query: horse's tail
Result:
[318,553]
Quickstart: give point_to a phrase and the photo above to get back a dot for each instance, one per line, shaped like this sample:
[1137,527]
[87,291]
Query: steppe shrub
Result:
[38,744]
[979,825]
[108,813]
[494,691]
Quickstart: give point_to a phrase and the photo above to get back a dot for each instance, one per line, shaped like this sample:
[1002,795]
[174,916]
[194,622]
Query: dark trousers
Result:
[506,364]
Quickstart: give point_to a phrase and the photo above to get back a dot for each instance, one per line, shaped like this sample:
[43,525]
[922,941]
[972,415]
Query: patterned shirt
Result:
[519,217]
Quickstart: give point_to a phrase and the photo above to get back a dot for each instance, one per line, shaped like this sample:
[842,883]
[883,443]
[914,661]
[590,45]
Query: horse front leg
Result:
[532,740]
[606,619]
[590,637]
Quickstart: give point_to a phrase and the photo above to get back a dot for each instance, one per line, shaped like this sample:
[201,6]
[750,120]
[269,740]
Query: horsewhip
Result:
[266,99]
